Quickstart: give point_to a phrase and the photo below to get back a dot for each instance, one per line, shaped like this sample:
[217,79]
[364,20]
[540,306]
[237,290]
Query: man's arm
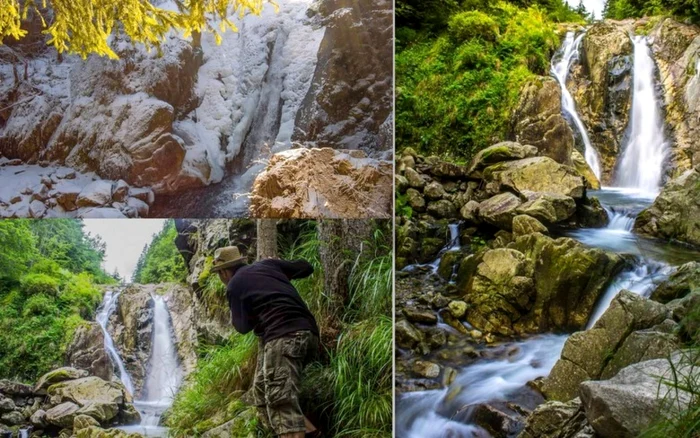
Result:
[296,269]
[239,314]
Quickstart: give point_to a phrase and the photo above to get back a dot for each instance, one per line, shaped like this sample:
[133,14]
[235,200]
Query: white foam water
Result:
[643,157]
[560,70]
[108,307]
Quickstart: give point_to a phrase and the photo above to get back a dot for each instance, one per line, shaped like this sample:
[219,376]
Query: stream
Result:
[446,412]
[164,374]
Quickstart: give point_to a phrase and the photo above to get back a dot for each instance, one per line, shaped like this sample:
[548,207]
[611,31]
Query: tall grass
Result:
[371,279]
[211,395]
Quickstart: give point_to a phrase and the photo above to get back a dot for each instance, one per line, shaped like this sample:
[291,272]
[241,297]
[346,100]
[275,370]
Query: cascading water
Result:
[560,70]
[163,377]
[108,307]
[643,157]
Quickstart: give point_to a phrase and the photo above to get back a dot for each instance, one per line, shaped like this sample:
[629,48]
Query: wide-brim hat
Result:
[227,257]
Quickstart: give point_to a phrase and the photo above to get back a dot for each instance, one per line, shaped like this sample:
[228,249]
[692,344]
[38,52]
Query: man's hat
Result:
[227,257]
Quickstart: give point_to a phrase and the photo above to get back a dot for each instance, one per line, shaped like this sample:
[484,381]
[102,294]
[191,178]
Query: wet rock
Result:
[426,369]
[56,376]
[95,194]
[63,414]
[537,174]
[447,264]
[313,183]
[627,404]
[675,213]
[684,280]
[505,151]
[500,210]
[524,224]
[406,335]
[499,418]
[420,316]
[458,308]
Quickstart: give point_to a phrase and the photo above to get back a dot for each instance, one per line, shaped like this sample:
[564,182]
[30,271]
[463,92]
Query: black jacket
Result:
[262,299]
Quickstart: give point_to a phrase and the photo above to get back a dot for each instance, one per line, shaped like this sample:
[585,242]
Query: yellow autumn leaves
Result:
[84,26]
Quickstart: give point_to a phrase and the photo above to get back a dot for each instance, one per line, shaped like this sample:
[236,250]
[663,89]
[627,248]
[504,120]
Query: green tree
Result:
[17,249]
[161,261]
[84,26]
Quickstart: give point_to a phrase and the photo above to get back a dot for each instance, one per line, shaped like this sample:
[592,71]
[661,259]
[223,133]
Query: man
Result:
[262,299]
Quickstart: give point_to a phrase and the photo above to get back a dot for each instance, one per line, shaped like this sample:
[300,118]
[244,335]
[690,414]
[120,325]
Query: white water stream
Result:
[445,413]
[643,157]
[561,64]
[164,374]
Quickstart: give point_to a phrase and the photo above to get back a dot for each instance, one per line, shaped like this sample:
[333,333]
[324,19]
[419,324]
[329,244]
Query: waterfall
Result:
[560,70]
[109,305]
[641,166]
[454,237]
[164,374]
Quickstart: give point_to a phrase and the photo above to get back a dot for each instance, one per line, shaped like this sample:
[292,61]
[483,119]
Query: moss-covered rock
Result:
[537,174]
[505,151]
[58,375]
[549,208]
[500,210]
[675,213]
[679,284]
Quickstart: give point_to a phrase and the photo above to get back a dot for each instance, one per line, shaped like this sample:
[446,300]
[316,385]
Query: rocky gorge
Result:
[196,122]
[545,287]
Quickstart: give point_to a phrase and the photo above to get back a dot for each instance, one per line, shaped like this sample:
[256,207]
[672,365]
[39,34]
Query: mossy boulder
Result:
[88,390]
[586,354]
[679,284]
[549,208]
[537,174]
[500,210]
[675,214]
[56,376]
[505,151]
[62,415]
[579,163]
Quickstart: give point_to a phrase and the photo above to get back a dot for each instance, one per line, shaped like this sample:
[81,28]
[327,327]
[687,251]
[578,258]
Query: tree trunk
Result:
[342,242]
[267,238]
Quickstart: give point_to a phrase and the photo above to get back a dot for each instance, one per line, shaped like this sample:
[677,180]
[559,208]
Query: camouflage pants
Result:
[277,380]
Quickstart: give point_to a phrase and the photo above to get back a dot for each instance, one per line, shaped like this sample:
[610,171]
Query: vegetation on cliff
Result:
[683,9]
[459,69]
[48,273]
[160,262]
[348,392]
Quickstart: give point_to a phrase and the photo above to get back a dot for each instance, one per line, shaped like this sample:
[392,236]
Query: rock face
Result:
[627,404]
[538,120]
[86,351]
[630,331]
[323,183]
[536,284]
[350,100]
[675,213]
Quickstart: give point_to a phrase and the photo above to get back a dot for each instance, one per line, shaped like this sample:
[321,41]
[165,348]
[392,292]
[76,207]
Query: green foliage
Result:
[351,388]
[363,379]
[468,25]
[45,292]
[401,206]
[456,91]
[684,9]
[222,373]
[161,262]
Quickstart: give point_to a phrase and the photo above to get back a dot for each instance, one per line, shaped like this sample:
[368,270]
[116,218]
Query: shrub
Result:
[39,305]
[37,283]
[464,26]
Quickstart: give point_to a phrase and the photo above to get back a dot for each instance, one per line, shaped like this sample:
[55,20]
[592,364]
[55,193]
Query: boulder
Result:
[500,210]
[81,422]
[586,354]
[470,212]
[38,419]
[557,420]
[14,418]
[500,292]
[10,388]
[416,315]
[640,346]
[56,376]
[315,183]
[95,194]
[537,174]
[625,405]
[579,163]
[442,209]
[102,412]
[434,191]
[679,284]
[675,214]
[457,308]
[524,224]
[37,209]
[505,151]
[6,404]
[425,369]
[67,195]
[415,180]
[88,390]
[549,208]
[63,414]
[407,336]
